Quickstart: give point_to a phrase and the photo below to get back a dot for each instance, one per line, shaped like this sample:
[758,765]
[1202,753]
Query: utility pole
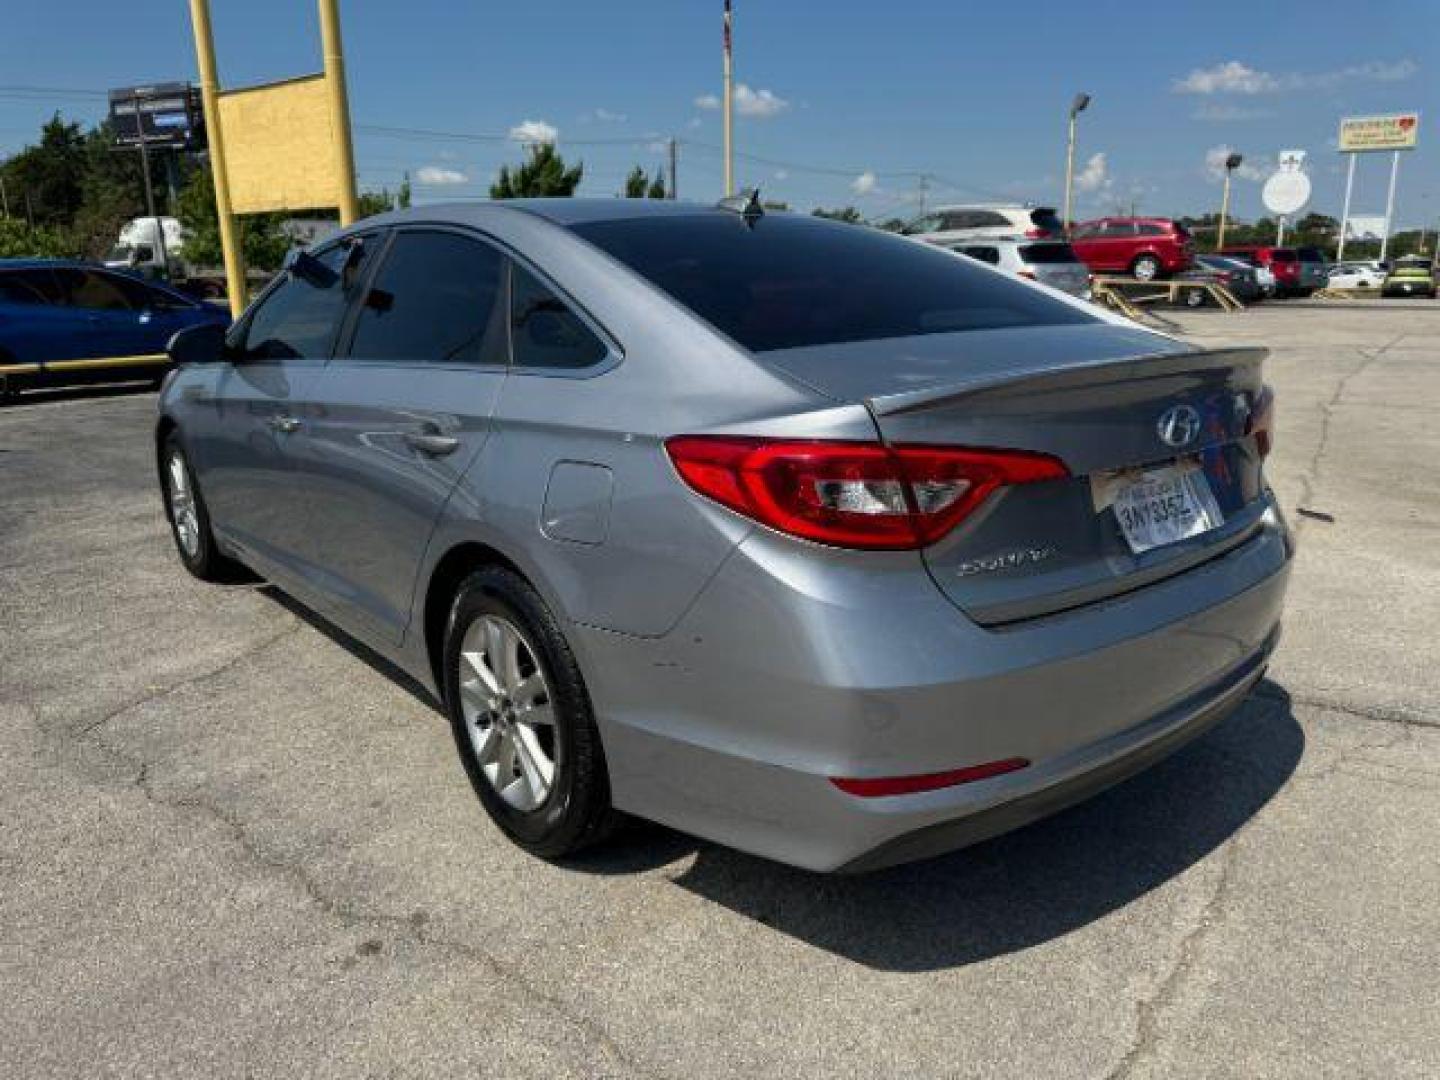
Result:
[728,104]
[4,198]
[1231,164]
[209,94]
[674,170]
[1077,106]
[339,109]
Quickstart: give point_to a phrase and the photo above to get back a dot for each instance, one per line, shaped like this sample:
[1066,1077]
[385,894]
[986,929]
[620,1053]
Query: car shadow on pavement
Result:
[1039,883]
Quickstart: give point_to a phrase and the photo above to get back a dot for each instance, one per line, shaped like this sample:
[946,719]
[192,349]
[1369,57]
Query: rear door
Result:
[115,332]
[402,412]
[34,325]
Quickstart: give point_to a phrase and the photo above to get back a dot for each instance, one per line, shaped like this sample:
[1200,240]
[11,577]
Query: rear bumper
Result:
[793,667]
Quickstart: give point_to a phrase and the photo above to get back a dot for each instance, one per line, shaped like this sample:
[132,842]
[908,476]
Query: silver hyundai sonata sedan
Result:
[791,534]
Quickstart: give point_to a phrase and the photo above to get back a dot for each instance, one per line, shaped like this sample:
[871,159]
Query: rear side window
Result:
[1150,229]
[95,292]
[27,287]
[1041,254]
[1284,255]
[545,332]
[785,281]
[1310,254]
[298,317]
[437,298]
[1117,229]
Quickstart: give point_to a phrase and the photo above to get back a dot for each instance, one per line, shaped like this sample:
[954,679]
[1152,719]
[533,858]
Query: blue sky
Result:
[847,101]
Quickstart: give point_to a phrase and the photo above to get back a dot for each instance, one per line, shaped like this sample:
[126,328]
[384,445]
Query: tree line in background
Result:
[68,195]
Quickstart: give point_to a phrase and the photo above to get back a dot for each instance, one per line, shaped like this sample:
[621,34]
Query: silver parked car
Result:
[788,533]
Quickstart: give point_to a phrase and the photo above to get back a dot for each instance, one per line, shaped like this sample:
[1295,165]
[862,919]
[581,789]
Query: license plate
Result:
[1164,505]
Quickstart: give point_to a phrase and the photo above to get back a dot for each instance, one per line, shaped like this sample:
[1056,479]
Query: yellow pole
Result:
[1069,170]
[726,106]
[209,91]
[1224,212]
[339,108]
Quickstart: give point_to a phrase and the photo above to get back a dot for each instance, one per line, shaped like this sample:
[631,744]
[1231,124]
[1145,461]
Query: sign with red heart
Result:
[1362,134]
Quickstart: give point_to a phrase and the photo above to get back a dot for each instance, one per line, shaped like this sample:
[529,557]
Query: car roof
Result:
[561,211]
[44,264]
[990,206]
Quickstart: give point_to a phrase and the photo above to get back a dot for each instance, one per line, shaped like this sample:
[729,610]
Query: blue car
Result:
[71,322]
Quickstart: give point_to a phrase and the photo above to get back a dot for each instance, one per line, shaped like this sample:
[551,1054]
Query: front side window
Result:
[298,318]
[545,332]
[27,287]
[438,299]
[786,281]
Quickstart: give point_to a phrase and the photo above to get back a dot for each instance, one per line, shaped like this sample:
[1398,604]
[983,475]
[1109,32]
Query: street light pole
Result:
[1231,164]
[727,104]
[1076,108]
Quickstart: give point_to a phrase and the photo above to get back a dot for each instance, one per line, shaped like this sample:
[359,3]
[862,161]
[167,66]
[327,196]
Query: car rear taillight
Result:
[1037,234]
[880,786]
[852,494]
[1262,421]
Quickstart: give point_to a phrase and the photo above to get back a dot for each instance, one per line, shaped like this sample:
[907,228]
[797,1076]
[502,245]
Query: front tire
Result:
[189,519]
[1145,268]
[522,718]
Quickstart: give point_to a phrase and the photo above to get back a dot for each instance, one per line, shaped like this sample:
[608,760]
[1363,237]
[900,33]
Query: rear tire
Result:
[1145,268]
[190,520]
[522,718]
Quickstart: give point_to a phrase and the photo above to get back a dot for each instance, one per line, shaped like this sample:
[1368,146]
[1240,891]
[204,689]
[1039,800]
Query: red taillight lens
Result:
[1262,421]
[852,494]
[878,787]
[1036,234]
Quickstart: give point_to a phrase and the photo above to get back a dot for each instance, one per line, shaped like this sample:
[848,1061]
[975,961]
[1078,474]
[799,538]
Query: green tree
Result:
[19,241]
[47,180]
[542,173]
[640,185]
[261,239]
[847,214]
[378,202]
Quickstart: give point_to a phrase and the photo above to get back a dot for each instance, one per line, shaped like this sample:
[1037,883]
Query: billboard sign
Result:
[280,146]
[168,116]
[1361,134]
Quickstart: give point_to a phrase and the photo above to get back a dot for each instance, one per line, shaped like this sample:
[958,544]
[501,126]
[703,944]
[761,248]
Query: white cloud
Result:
[782,174]
[865,183]
[1095,176]
[1234,77]
[694,122]
[1216,113]
[438,175]
[1231,77]
[1256,169]
[535,131]
[605,116]
[759,104]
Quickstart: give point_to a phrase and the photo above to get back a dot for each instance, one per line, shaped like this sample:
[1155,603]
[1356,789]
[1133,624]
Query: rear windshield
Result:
[1310,254]
[1283,255]
[787,281]
[1040,254]
[1047,219]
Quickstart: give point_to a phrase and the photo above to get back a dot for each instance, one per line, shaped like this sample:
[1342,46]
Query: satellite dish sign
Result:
[1289,188]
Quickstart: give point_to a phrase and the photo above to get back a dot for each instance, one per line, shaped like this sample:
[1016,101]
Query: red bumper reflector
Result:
[871,788]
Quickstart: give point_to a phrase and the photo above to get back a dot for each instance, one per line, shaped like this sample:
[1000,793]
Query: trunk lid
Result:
[1092,396]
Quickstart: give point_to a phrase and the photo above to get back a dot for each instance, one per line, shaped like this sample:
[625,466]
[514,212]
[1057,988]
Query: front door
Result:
[401,413]
[250,429]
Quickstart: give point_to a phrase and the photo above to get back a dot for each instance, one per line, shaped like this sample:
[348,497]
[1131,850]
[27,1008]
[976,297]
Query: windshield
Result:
[786,281]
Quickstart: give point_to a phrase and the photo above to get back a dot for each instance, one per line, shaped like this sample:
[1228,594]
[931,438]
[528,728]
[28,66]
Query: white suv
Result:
[948,224]
[1050,262]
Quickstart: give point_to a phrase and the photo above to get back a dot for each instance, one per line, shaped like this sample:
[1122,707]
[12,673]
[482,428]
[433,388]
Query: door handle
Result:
[432,442]
[285,424]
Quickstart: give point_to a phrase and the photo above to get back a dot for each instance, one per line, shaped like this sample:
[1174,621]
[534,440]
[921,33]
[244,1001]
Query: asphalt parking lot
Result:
[231,843]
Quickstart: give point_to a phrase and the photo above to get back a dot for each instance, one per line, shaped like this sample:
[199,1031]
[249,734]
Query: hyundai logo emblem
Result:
[1178,425]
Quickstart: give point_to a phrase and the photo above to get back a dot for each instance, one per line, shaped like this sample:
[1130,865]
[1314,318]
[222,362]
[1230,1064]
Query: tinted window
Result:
[784,281]
[1047,219]
[544,332]
[988,219]
[1150,229]
[1310,254]
[1115,229]
[984,254]
[928,224]
[87,289]
[1284,255]
[27,287]
[1041,254]
[298,318]
[1086,231]
[437,297]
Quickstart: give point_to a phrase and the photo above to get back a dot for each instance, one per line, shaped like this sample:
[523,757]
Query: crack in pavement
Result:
[292,627]
[1149,1009]
[1382,714]
[408,927]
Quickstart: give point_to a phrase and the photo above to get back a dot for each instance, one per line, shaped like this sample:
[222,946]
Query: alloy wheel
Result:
[182,506]
[509,713]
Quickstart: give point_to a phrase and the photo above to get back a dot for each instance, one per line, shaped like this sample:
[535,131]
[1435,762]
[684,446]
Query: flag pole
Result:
[726,105]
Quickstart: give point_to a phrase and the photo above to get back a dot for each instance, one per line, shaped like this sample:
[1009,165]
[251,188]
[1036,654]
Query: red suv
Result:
[1146,247]
[1295,275]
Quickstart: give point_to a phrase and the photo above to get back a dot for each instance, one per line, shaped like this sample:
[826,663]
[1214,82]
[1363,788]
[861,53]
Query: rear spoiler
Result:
[1061,375]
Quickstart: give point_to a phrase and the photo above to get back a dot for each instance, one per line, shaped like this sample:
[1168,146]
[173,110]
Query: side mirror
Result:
[203,344]
[309,269]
